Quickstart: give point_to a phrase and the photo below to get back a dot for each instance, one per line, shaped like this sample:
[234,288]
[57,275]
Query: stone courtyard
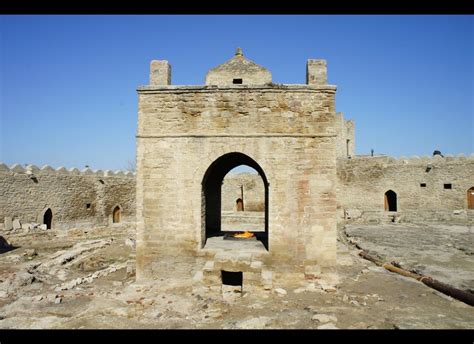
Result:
[83,279]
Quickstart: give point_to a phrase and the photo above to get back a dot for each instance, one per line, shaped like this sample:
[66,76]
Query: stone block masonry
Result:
[75,198]
[189,137]
[424,189]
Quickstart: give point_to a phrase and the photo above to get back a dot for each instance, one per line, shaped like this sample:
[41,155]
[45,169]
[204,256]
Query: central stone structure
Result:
[190,137]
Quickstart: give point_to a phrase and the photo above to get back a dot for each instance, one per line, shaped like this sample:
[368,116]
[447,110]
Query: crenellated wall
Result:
[363,181]
[76,198]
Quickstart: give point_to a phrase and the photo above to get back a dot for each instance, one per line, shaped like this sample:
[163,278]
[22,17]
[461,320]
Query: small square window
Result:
[88,206]
[237,81]
[448,186]
[422,185]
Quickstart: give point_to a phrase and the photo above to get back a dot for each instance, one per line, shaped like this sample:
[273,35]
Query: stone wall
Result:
[345,136]
[76,198]
[253,192]
[363,181]
[289,131]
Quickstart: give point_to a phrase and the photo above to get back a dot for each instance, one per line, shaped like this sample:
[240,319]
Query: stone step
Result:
[253,272]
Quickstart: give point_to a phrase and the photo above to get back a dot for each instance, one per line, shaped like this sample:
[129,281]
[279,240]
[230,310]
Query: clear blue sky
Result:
[68,83]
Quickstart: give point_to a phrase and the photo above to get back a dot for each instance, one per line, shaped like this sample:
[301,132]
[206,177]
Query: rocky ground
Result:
[85,279]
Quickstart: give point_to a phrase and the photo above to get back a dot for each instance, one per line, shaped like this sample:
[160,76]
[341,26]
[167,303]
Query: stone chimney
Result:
[316,72]
[160,72]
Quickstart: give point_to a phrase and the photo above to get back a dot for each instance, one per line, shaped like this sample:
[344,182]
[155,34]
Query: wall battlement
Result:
[46,169]
[65,198]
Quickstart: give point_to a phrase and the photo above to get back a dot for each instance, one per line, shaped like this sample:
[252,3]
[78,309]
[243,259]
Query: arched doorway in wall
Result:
[211,195]
[470,198]
[239,204]
[48,218]
[116,214]
[390,201]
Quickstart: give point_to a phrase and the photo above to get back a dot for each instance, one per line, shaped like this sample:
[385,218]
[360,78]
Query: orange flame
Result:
[244,235]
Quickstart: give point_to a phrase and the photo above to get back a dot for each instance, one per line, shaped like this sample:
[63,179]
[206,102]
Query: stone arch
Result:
[390,200]
[217,153]
[211,194]
[117,213]
[470,198]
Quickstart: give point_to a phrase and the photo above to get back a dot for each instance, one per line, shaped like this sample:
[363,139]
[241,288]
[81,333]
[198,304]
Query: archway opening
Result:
[470,198]
[390,201]
[218,208]
[116,214]
[48,218]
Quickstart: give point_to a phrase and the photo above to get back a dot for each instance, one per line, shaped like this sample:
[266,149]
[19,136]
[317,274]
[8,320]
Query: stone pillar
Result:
[160,72]
[316,72]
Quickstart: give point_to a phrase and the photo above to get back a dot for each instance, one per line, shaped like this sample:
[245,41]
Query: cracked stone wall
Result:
[26,193]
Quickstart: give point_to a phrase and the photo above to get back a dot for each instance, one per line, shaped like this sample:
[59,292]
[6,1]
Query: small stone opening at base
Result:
[232,278]
[232,281]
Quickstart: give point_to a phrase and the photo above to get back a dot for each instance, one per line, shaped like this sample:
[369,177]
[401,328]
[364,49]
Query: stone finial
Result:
[316,72]
[239,52]
[160,72]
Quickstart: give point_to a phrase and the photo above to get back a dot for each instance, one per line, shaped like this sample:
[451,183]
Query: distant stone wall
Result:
[76,198]
[345,136]
[418,183]
[253,192]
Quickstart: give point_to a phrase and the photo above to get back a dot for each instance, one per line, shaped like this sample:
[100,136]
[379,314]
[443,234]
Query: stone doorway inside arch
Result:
[48,218]
[390,201]
[116,214]
[470,198]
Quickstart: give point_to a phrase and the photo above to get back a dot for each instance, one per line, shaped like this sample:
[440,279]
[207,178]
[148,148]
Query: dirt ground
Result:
[84,279]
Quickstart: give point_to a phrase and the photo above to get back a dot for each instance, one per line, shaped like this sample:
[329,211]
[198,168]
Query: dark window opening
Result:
[423,185]
[448,186]
[232,278]
[347,147]
[88,206]
[390,201]
[237,81]
[35,180]
[101,181]
[48,218]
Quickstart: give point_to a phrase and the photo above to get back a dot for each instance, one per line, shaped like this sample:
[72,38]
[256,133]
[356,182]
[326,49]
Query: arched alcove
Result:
[390,201]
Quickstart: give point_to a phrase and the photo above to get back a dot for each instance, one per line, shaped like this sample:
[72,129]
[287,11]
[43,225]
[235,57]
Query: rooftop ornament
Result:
[239,52]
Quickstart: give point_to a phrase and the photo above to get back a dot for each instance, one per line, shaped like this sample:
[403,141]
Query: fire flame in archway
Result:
[246,234]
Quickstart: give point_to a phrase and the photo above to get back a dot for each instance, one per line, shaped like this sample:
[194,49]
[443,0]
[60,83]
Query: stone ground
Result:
[79,279]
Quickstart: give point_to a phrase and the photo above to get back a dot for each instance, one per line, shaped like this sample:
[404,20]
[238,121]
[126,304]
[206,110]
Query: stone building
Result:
[62,199]
[190,137]
[418,189]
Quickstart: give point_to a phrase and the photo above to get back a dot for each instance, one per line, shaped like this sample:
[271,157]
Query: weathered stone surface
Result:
[16,224]
[8,223]
[418,185]
[238,70]
[82,199]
